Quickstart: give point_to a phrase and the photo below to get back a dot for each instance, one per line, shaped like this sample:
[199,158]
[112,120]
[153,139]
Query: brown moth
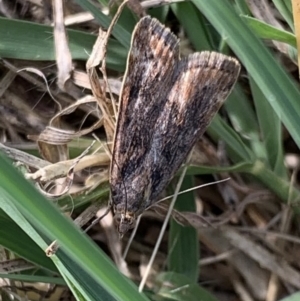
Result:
[166,104]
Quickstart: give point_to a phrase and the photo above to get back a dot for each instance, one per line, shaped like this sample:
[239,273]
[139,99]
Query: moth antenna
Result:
[95,221]
[193,188]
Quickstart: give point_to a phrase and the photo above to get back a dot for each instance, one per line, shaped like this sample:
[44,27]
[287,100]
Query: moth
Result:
[166,104]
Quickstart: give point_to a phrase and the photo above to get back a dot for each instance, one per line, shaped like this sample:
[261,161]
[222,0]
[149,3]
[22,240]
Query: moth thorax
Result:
[125,221]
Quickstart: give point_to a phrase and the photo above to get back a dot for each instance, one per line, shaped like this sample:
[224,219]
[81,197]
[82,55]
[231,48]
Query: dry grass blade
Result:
[62,50]
[263,257]
[63,55]
[15,265]
[68,181]
[98,57]
[60,169]
[254,276]
[25,158]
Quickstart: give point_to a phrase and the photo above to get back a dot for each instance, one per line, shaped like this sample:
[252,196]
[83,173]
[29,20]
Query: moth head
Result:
[125,221]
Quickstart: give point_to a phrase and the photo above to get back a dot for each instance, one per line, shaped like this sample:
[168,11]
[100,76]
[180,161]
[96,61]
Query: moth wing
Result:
[152,58]
[201,84]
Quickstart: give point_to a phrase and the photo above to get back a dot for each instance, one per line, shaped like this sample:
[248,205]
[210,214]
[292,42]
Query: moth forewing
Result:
[153,54]
[201,83]
[166,104]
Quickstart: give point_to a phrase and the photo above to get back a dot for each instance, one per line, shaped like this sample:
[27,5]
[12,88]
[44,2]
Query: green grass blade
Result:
[86,286]
[285,8]
[74,243]
[237,149]
[262,172]
[277,86]
[271,131]
[13,238]
[30,41]
[242,7]
[78,278]
[198,37]
[244,121]
[241,113]
[266,31]
[160,13]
